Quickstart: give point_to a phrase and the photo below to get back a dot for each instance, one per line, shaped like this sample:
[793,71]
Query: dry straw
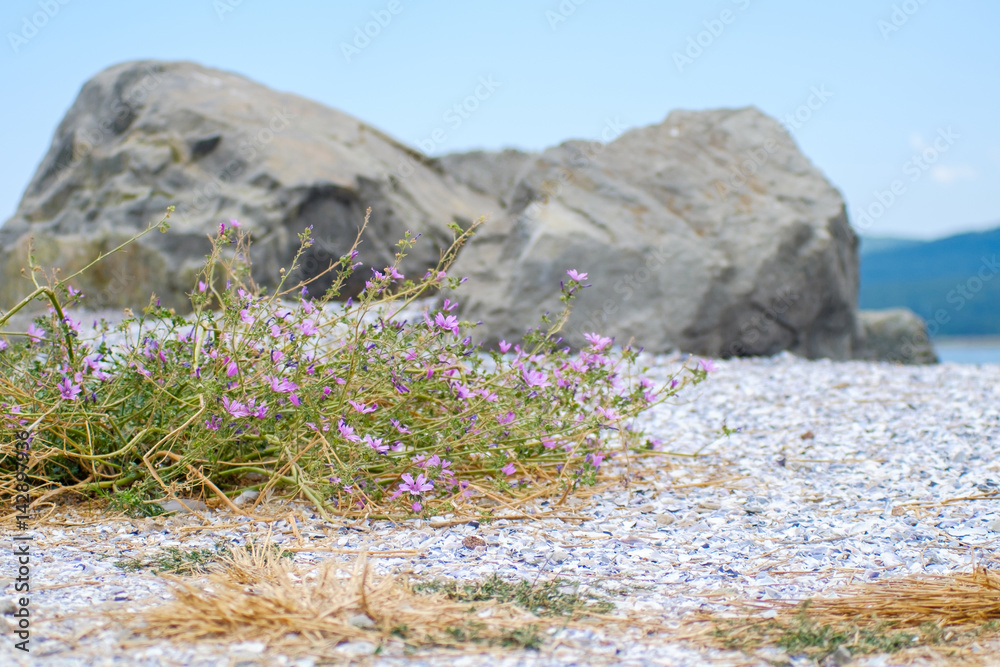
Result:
[256,593]
[922,614]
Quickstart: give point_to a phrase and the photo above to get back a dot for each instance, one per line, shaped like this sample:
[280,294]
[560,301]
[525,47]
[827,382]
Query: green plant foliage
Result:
[345,403]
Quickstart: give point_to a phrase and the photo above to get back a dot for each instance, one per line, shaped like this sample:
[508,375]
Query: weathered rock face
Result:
[895,334]
[710,233]
[146,135]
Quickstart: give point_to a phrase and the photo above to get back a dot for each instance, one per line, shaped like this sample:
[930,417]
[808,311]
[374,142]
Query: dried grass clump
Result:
[952,601]
[254,593]
[926,615]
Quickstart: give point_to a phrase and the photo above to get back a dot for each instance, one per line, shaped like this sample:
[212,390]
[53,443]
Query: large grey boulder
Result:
[895,334]
[145,135]
[709,233]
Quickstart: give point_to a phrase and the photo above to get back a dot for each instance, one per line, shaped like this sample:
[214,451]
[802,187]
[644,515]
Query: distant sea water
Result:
[971,350]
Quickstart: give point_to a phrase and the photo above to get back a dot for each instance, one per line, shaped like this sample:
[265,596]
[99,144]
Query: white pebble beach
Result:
[840,472]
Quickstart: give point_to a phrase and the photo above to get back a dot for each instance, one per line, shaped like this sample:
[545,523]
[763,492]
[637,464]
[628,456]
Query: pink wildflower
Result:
[376,444]
[281,385]
[68,390]
[347,432]
[597,341]
[35,332]
[449,323]
[707,365]
[576,275]
[535,379]
[415,487]
[362,408]
[508,469]
[235,408]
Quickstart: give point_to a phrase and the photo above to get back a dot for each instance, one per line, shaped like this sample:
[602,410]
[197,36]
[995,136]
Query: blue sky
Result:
[895,76]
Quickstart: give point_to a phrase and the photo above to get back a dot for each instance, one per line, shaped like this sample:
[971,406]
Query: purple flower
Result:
[597,341]
[308,327]
[281,385]
[72,290]
[401,429]
[235,223]
[576,275]
[258,411]
[417,507]
[535,379]
[202,286]
[376,444]
[294,398]
[246,317]
[3,345]
[707,365]
[35,332]
[461,391]
[506,419]
[395,274]
[449,323]
[608,413]
[326,392]
[213,423]
[415,487]
[596,458]
[362,408]
[347,432]
[508,469]
[222,228]
[504,346]
[72,324]
[68,390]
[449,306]
[235,408]
[232,369]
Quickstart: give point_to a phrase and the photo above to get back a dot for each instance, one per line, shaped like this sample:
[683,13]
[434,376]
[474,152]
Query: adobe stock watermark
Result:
[121,110]
[562,13]
[33,24]
[248,149]
[963,293]
[901,14]
[697,44]
[363,35]
[223,7]
[914,167]
[454,117]
[611,131]
[22,541]
[755,158]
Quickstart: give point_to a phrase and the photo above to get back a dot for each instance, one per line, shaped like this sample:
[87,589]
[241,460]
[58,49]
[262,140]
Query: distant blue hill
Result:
[957,277]
[872,244]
